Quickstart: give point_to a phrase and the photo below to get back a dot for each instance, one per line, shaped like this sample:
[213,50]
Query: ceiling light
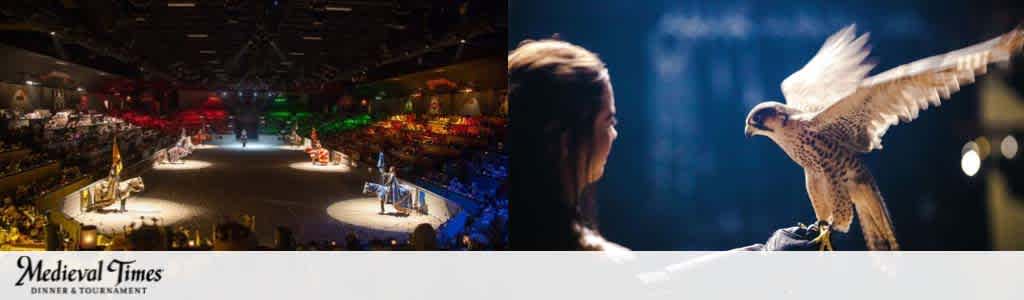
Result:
[62,63]
[80,89]
[462,41]
[197,35]
[53,33]
[337,8]
[312,38]
[29,82]
[181,4]
[296,53]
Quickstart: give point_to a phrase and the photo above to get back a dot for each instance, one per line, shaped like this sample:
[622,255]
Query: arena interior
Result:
[253,125]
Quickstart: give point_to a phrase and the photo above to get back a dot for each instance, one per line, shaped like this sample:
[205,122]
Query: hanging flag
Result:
[115,172]
[115,168]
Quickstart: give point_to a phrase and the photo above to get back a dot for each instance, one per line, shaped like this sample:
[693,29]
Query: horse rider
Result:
[391,182]
[245,138]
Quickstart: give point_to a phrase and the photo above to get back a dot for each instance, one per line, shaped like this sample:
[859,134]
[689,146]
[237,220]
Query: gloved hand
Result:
[795,238]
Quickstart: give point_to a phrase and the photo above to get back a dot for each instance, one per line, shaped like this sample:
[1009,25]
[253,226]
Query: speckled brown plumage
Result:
[834,113]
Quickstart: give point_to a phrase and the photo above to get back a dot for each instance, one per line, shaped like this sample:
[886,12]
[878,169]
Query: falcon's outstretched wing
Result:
[860,119]
[833,73]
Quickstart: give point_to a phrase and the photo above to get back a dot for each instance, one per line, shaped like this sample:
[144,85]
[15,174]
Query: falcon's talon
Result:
[824,238]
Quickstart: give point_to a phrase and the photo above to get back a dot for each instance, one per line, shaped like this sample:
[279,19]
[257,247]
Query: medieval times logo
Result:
[59,278]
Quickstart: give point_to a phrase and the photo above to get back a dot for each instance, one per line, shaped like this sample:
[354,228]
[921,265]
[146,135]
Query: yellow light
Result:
[984,147]
[88,237]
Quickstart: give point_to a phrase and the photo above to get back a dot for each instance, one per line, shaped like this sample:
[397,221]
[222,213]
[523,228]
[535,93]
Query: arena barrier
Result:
[53,201]
[430,203]
[14,154]
[12,181]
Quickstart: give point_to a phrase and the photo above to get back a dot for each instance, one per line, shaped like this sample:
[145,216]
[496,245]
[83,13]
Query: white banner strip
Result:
[511,275]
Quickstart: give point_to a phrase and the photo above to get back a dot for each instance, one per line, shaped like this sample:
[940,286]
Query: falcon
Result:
[834,113]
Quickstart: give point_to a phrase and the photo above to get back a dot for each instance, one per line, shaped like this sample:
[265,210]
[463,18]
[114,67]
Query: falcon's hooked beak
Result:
[755,122]
[752,129]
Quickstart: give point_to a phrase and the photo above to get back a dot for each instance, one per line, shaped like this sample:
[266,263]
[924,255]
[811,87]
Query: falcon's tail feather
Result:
[872,213]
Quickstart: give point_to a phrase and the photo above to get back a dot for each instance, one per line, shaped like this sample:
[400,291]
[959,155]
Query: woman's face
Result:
[604,134]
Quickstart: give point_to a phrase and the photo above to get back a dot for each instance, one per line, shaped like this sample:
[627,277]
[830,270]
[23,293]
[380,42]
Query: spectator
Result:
[424,238]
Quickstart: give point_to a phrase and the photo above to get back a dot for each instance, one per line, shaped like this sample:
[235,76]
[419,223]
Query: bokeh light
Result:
[970,161]
[984,148]
[1009,147]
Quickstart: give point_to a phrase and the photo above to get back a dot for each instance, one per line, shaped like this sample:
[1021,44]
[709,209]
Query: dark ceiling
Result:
[481,74]
[261,44]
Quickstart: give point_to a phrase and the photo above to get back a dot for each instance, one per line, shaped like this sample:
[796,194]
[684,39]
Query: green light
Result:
[280,100]
[280,115]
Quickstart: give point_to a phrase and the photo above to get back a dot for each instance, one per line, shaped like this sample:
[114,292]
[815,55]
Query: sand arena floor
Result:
[275,183]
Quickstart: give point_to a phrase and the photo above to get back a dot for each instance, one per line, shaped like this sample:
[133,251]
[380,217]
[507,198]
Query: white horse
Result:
[180,150]
[100,193]
[404,202]
[160,156]
[176,154]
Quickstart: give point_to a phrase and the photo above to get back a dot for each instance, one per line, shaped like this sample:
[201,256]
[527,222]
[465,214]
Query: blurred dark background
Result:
[682,176]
